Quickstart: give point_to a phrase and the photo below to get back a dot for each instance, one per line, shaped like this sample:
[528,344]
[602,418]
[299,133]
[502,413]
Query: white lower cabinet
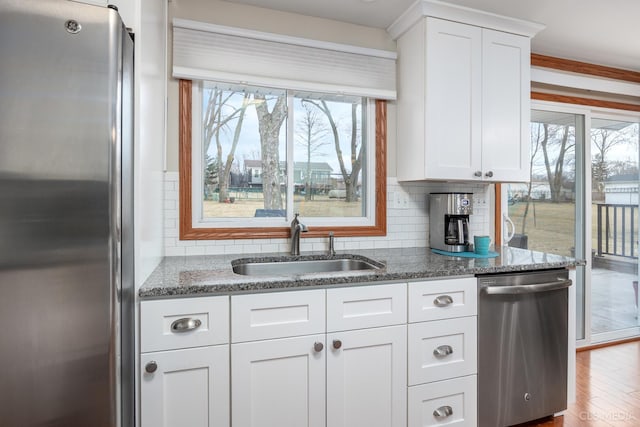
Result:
[451,402]
[391,355]
[184,362]
[354,376]
[443,353]
[187,387]
[367,378]
[278,383]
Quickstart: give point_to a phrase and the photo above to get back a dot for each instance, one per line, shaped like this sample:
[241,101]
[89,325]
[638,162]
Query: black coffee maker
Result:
[449,221]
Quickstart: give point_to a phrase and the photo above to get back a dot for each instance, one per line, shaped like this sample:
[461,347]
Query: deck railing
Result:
[617,230]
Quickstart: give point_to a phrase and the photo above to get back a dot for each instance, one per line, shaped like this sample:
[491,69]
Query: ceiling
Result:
[605,32]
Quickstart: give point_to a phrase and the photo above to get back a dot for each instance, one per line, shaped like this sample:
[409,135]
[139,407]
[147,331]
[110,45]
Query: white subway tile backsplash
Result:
[407,223]
[174,251]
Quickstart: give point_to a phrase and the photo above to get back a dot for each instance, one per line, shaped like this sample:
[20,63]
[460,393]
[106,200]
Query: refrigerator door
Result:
[60,214]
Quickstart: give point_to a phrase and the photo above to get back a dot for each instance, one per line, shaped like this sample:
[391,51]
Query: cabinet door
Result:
[279,383]
[453,100]
[367,378]
[505,106]
[188,388]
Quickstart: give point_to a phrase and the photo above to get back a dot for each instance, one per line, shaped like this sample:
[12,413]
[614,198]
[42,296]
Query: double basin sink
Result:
[291,266]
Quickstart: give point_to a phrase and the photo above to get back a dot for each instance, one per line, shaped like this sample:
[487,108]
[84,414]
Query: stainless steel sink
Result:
[303,265]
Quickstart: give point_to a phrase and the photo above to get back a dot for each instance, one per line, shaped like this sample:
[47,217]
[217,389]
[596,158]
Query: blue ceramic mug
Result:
[481,244]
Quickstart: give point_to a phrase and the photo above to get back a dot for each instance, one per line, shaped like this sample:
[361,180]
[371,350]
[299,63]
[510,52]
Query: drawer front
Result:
[442,349]
[451,403]
[183,323]
[442,299]
[366,307]
[277,315]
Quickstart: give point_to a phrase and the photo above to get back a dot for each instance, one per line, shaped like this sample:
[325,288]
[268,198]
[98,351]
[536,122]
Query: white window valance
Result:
[204,51]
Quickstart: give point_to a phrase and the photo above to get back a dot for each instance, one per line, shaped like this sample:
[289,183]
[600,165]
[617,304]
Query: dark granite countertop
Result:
[212,275]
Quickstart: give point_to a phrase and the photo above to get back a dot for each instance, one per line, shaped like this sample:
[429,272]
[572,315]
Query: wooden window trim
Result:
[575,67]
[188,232]
[578,67]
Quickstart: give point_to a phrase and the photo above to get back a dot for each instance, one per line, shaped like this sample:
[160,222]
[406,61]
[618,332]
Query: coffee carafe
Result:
[449,221]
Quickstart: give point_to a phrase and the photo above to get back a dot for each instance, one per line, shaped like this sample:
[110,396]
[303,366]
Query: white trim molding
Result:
[465,15]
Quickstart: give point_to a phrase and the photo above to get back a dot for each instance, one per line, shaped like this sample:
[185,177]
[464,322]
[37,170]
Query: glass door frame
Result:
[619,334]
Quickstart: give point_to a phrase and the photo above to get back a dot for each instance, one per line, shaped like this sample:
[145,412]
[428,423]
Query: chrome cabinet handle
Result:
[151,367]
[337,344]
[443,412]
[443,351]
[489,174]
[477,174]
[443,301]
[185,324]
[318,346]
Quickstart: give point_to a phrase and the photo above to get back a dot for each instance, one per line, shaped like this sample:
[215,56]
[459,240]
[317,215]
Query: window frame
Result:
[191,231]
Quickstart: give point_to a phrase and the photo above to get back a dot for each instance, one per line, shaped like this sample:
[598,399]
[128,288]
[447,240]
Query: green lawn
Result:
[551,226]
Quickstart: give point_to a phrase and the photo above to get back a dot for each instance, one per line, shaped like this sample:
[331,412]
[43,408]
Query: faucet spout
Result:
[296,228]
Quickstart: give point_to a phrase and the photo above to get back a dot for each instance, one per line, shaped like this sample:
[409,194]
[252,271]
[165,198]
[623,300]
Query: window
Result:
[251,157]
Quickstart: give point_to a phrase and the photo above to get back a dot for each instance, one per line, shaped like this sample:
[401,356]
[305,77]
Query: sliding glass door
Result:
[614,228]
[546,211]
[582,201]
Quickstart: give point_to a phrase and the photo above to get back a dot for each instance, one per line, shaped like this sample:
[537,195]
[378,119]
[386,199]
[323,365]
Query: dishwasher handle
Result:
[527,289]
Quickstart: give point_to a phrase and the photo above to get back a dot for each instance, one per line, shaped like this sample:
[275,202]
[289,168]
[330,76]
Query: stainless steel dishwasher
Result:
[522,346]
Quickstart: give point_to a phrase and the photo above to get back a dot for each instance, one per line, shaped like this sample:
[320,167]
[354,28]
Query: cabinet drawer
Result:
[451,402]
[277,315]
[206,322]
[442,349]
[366,307]
[442,299]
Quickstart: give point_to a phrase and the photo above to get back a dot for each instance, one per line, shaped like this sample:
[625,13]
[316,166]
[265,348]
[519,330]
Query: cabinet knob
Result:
[318,346]
[443,351]
[443,412]
[477,174]
[489,174]
[337,344]
[151,367]
[443,301]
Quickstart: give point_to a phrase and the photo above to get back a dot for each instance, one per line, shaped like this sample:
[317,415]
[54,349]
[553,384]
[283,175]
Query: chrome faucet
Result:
[296,228]
[332,248]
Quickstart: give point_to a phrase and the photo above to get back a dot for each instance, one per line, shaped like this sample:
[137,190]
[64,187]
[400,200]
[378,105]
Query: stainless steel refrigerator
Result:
[66,256]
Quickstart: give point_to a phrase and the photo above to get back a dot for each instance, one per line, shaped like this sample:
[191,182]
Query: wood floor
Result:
[607,391]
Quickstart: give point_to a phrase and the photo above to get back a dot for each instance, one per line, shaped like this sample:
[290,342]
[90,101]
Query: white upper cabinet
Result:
[463,95]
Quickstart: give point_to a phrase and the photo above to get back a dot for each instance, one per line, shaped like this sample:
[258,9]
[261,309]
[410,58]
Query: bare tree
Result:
[311,134]
[350,178]
[218,117]
[602,141]
[536,139]
[269,124]
[559,139]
